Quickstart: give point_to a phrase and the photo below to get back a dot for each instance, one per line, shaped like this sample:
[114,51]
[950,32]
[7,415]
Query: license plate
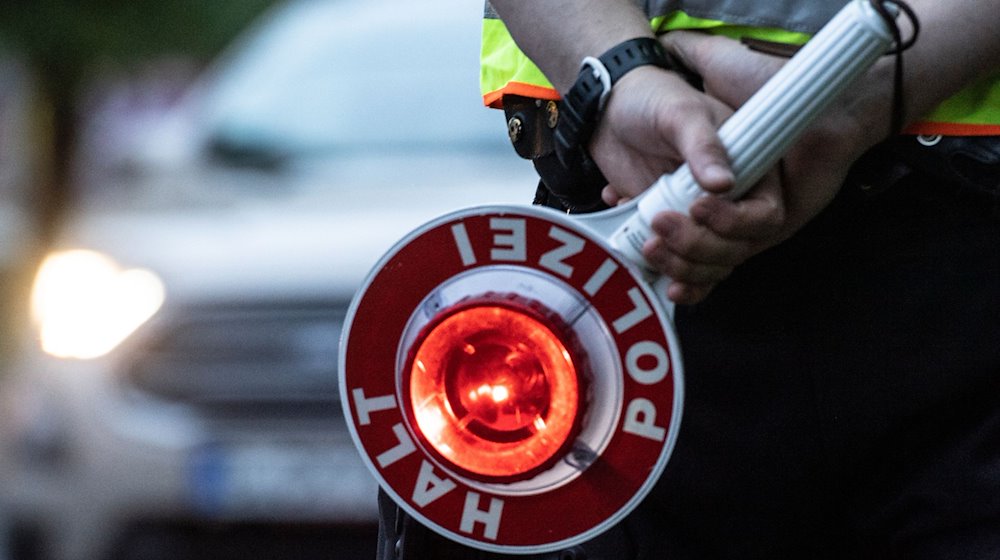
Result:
[254,480]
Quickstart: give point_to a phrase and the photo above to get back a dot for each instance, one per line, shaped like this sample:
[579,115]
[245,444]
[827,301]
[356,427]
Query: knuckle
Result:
[773,218]
[677,268]
[724,223]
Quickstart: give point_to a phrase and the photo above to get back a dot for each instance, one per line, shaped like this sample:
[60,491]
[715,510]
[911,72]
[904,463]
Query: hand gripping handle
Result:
[760,132]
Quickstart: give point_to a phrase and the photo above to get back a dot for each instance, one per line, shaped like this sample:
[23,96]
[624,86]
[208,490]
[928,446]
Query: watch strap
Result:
[582,105]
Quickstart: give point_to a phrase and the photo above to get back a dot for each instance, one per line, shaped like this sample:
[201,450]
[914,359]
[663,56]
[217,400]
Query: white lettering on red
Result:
[402,449]
[571,245]
[490,518]
[640,419]
[600,277]
[429,486]
[365,406]
[647,375]
[511,246]
[640,311]
[463,244]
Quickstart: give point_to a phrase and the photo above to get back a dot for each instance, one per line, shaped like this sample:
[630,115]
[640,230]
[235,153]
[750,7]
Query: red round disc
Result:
[525,517]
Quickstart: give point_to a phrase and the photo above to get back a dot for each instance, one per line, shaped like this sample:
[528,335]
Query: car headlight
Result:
[85,304]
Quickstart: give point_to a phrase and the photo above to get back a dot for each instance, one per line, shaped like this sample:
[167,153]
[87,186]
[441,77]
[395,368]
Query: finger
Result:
[759,216]
[697,140]
[688,294]
[684,238]
[688,123]
[709,164]
[679,269]
[612,197]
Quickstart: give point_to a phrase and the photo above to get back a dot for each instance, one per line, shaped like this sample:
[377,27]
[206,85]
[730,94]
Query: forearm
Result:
[558,34]
[958,44]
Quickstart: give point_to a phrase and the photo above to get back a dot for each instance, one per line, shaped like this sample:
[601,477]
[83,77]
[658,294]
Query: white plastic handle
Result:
[760,132]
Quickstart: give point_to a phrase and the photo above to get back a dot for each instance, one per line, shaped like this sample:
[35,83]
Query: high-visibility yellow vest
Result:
[506,70]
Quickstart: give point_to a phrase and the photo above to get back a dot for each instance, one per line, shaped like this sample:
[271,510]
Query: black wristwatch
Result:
[582,105]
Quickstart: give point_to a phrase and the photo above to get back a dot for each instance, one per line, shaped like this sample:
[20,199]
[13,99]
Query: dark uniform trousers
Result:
[842,390]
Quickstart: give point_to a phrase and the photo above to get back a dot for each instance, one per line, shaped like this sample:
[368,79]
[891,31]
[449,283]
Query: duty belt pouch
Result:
[969,163]
[972,162]
[530,125]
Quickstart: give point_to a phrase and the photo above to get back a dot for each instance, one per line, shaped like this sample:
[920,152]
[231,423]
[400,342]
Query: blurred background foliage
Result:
[62,39]
[64,43]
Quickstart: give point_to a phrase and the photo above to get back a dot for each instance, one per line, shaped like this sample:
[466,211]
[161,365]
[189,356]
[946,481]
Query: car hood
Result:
[313,230]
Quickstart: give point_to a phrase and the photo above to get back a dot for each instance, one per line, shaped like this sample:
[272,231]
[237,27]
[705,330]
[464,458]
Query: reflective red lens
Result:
[494,390]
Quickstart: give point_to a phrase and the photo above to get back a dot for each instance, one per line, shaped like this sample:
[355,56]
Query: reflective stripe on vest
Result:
[506,70]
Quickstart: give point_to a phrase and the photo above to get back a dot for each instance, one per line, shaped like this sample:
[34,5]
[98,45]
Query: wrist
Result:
[583,104]
[869,105]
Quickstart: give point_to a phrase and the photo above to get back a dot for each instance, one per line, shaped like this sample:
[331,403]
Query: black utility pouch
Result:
[530,125]
[973,162]
[969,163]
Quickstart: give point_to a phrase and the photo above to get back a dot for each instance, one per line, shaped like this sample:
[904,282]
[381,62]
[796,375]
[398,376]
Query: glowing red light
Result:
[494,390]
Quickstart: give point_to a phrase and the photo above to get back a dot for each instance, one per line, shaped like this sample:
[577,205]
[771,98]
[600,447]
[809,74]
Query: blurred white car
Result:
[177,397]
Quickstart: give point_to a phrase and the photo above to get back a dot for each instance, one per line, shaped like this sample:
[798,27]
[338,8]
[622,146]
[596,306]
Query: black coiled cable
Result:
[898,99]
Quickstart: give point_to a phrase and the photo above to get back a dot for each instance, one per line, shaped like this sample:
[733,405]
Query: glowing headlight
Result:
[86,304]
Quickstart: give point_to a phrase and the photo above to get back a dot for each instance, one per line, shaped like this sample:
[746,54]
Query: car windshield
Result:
[382,74]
